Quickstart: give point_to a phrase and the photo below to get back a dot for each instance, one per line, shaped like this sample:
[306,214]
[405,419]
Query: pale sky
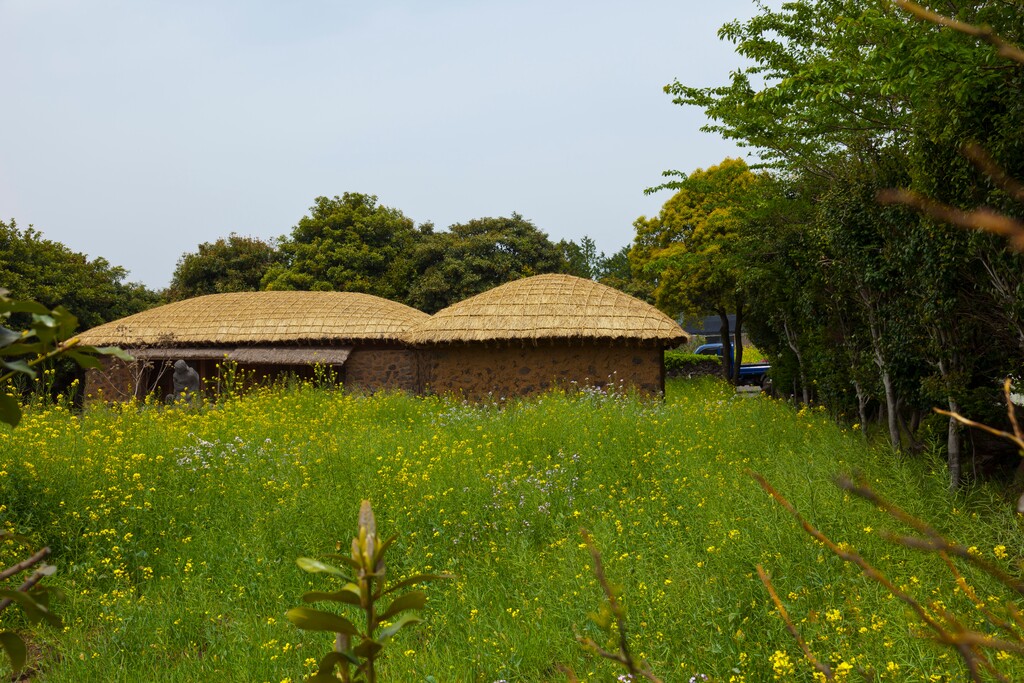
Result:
[136,130]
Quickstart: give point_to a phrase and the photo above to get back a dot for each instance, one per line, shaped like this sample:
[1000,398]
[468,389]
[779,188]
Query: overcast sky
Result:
[136,130]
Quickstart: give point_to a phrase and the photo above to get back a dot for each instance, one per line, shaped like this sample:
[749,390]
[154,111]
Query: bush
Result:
[681,363]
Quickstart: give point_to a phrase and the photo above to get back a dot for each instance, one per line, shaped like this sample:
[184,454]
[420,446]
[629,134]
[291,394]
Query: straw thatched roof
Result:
[549,308]
[260,318]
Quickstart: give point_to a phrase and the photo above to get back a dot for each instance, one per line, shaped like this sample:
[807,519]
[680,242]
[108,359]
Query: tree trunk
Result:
[891,406]
[791,342]
[890,410]
[726,345]
[953,439]
[953,449]
[862,408]
[738,345]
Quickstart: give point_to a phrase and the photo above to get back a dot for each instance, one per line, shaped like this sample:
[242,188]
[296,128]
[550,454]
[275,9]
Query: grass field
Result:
[176,530]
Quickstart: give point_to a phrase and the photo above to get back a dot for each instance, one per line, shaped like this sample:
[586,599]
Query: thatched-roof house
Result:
[540,332]
[359,336]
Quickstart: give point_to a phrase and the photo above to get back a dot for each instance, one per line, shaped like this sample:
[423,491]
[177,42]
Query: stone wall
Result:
[374,369]
[367,369]
[115,381]
[704,368]
[472,371]
[477,372]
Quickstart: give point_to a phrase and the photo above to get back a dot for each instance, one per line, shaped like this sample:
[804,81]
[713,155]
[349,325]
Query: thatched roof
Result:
[549,308]
[261,318]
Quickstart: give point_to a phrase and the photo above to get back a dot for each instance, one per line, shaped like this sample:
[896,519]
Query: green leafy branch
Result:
[611,618]
[34,602]
[356,650]
[48,336]
[946,627]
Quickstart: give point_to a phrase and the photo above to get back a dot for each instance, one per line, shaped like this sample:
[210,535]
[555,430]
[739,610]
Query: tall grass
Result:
[175,531]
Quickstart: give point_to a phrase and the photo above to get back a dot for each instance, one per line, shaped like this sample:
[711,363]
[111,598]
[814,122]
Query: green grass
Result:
[176,531]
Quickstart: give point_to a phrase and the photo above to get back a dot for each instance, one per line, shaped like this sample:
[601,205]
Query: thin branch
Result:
[942,635]
[622,656]
[996,173]
[25,564]
[820,666]
[933,539]
[991,430]
[983,219]
[53,353]
[28,584]
[985,33]
[979,604]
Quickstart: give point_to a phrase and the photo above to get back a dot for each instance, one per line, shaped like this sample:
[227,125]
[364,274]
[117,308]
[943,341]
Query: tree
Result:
[45,271]
[235,264]
[616,271]
[845,98]
[470,258]
[581,260]
[348,244]
[687,250]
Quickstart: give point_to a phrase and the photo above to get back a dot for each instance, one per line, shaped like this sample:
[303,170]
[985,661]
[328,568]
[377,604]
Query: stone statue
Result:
[186,381]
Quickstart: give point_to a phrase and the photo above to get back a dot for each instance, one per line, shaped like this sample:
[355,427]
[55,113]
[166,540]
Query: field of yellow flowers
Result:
[175,531]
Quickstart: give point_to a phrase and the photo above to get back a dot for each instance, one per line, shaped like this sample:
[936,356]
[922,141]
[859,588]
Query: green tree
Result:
[616,271]
[235,264]
[348,244]
[844,98]
[687,252]
[470,258]
[583,259]
[38,269]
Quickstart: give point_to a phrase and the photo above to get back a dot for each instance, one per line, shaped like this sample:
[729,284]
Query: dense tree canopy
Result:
[470,258]
[688,251]
[235,264]
[39,269]
[348,244]
[869,308]
[352,243]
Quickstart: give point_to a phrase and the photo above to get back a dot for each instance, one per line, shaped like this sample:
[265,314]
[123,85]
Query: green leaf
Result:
[8,337]
[385,545]
[320,677]
[45,328]
[15,648]
[84,360]
[316,620]
[10,409]
[349,595]
[347,559]
[22,348]
[34,611]
[316,566]
[24,307]
[19,366]
[418,578]
[66,322]
[367,649]
[386,633]
[325,670]
[412,600]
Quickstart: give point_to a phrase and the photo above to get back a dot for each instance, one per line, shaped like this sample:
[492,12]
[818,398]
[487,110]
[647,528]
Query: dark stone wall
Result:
[115,381]
[375,369]
[368,369]
[473,371]
[705,368]
[478,372]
